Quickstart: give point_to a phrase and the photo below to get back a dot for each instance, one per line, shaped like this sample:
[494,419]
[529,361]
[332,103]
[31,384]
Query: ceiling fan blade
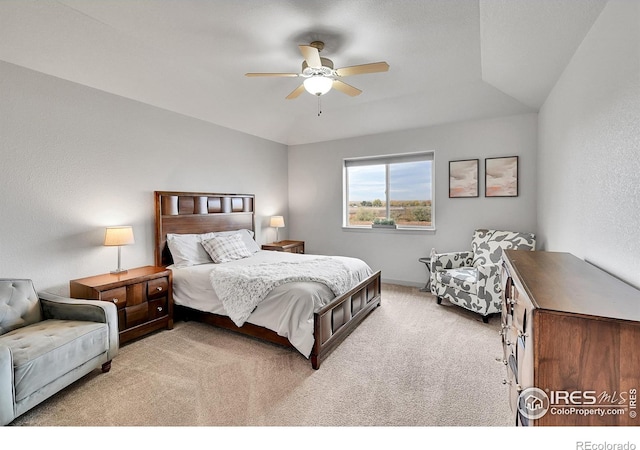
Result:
[271,74]
[311,55]
[345,88]
[364,68]
[296,92]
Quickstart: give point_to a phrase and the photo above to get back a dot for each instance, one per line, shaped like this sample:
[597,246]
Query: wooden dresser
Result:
[571,342]
[142,295]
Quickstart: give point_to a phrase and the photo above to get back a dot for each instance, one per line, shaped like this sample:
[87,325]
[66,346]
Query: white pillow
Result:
[247,238]
[226,248]
[187,250]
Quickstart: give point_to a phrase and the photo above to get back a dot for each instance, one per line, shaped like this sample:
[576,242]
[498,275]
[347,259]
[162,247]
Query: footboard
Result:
[334,322]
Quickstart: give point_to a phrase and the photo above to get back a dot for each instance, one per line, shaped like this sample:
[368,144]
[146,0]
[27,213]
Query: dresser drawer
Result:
[117,296]
[514,383]
[157,288]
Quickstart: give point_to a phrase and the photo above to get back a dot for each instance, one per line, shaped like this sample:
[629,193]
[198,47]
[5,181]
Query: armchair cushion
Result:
[444,261]
[463,278]
[47,350]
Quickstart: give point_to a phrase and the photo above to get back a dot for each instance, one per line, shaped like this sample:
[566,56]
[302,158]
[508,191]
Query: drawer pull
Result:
[114,300]
[510,383]
[159,289]
[159,308]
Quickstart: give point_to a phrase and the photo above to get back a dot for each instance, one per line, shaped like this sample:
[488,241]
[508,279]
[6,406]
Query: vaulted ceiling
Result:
[449,60]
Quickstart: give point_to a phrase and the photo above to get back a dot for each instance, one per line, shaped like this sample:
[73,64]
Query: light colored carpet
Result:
[410,363]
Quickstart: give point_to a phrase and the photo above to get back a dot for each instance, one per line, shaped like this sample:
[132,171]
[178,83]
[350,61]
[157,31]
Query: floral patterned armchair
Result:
[471,279]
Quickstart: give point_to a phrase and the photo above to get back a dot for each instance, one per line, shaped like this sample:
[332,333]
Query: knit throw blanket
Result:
[242,288]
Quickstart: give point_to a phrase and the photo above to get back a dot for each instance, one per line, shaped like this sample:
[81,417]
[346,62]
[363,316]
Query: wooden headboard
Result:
[196,213]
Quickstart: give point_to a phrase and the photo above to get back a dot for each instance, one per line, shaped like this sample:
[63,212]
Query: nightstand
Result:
[285,246]
[143,296]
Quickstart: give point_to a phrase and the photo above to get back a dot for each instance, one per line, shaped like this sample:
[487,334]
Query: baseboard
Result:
[403,282]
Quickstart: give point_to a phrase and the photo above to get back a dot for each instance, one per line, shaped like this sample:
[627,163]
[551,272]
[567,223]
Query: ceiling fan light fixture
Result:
[318,85]
[320,76]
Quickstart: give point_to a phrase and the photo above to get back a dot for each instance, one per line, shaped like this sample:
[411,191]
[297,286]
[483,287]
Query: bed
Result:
[310,314]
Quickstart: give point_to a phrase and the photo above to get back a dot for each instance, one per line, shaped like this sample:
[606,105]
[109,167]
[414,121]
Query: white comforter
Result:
[288,309]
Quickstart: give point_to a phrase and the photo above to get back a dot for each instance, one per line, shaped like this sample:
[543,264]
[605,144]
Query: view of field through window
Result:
[409,197]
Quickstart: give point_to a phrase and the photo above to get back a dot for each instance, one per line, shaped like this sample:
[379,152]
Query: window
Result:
[393,187]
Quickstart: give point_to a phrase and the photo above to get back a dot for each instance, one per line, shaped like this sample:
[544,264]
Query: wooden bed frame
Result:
[202,212]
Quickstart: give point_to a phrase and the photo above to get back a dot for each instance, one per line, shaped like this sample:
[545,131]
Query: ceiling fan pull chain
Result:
[319,109]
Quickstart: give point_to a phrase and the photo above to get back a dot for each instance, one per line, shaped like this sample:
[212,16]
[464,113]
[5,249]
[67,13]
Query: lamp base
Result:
[119,271]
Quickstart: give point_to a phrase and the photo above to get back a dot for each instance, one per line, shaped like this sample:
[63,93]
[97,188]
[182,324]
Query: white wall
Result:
[589,155]
[315,193]
[74,160]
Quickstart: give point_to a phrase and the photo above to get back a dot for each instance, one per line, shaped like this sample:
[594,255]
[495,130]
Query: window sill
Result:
[398,229]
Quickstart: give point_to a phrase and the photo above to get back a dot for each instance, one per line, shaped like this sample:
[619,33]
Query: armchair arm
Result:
[451,260]
[6,386]
[64,308]
[489,286]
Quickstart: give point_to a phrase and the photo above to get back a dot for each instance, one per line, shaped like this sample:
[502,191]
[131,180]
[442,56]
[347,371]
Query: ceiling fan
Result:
[320,76]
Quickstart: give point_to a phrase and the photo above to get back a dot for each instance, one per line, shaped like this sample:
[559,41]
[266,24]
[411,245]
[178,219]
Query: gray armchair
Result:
[47,342]
[471,279]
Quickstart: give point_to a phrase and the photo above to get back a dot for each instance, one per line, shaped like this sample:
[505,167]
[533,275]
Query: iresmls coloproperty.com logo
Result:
[533,403]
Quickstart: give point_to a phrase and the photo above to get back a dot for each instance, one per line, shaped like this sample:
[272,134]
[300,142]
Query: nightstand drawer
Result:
[122,320]
[157,308]
[157,288]
[118,296]
[135,315]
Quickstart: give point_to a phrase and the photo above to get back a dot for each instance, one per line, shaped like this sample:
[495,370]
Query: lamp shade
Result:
[277,222]
[318,85]
[118,236]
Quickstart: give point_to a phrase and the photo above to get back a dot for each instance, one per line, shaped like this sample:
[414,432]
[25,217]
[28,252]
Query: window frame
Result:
[427,155]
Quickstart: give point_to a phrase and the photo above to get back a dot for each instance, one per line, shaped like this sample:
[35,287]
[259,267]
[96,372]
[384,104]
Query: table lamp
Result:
[277,222]
[118,236]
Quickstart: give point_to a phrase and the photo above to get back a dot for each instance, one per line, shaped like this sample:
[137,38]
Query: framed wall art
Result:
[463,178]
[501,177]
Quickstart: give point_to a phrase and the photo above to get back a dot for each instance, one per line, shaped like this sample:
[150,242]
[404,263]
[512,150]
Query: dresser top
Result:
[563,282]
[137,274]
